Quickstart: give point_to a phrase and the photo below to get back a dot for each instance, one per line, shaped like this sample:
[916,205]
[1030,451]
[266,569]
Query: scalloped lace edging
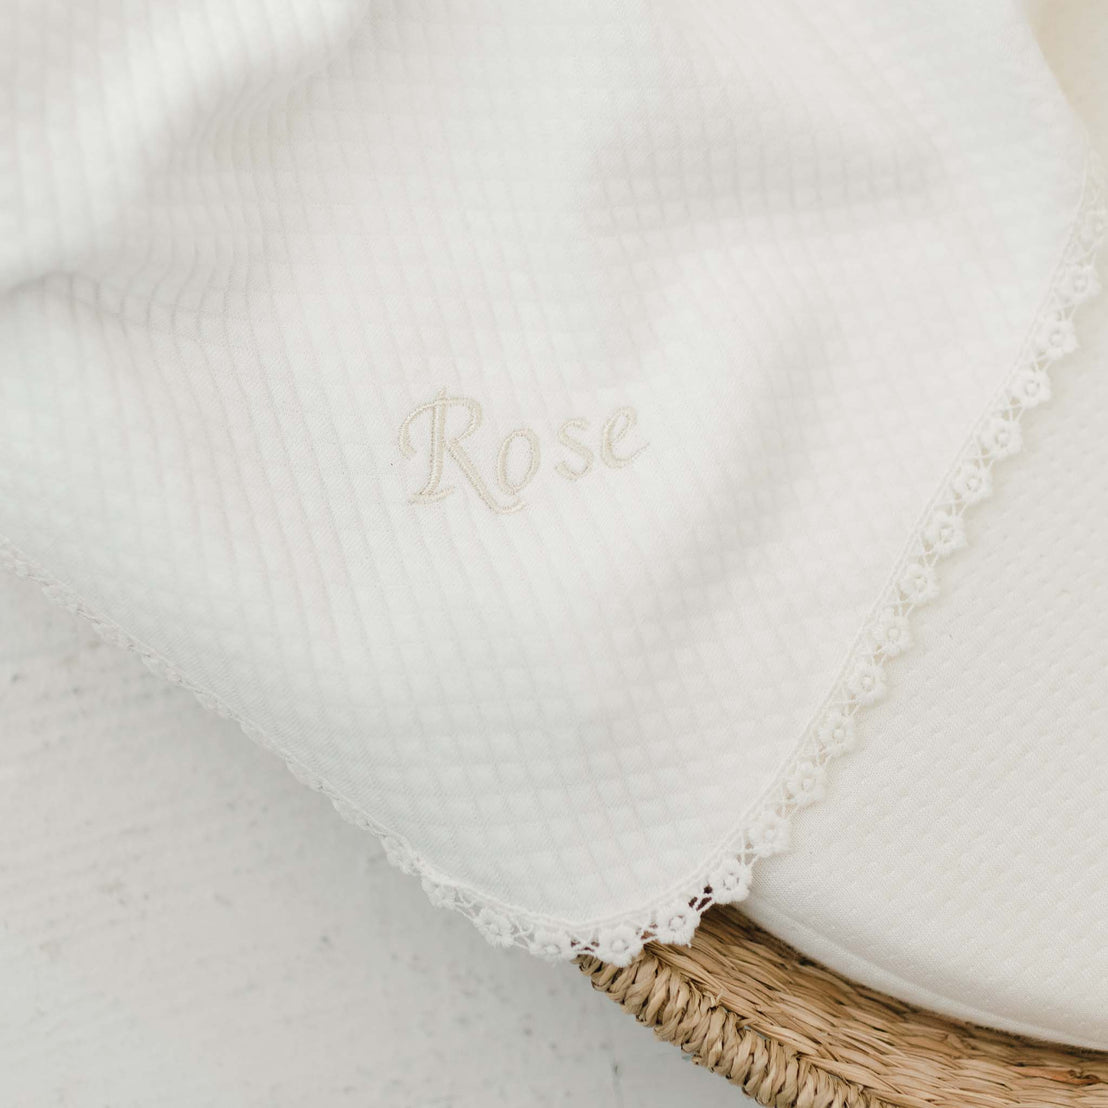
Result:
[726,877]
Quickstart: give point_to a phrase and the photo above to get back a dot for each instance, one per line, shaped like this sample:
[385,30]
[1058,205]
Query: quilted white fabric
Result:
[961,858]
[172,916]
[535,421]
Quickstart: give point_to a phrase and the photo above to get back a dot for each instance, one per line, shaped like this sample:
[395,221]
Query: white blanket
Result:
[535,421]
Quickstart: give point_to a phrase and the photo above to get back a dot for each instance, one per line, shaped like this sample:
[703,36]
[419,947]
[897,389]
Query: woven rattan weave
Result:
[794,1034]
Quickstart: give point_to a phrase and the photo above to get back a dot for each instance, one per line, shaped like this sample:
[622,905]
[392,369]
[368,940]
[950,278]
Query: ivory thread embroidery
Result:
[519,458]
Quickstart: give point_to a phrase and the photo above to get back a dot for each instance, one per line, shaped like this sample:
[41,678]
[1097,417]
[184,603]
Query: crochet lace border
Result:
[725,877]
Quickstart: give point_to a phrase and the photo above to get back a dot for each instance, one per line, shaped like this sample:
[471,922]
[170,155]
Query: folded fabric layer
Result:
[535,422]
[961,858]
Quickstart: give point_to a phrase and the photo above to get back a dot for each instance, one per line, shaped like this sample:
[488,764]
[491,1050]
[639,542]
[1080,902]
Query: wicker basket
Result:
[792,1033]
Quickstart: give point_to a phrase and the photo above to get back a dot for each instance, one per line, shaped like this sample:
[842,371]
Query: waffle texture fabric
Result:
[536,422]
[960,860]
[177,914]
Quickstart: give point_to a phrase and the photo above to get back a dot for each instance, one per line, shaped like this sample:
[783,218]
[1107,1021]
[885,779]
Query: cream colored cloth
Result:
[961,858]
[537,422]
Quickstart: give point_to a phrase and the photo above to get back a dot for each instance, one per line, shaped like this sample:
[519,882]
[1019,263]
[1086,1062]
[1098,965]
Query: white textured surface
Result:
[183,925]
[804,242]
[961,858]
[1016,647]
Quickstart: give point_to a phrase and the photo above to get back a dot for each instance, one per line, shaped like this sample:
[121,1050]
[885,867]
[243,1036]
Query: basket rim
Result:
[794,1034]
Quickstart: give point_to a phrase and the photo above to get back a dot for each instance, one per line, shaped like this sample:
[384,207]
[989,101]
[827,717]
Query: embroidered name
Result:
[448,421]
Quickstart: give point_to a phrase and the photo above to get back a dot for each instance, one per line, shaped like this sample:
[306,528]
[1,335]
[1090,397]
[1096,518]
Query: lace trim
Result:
[726,876]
